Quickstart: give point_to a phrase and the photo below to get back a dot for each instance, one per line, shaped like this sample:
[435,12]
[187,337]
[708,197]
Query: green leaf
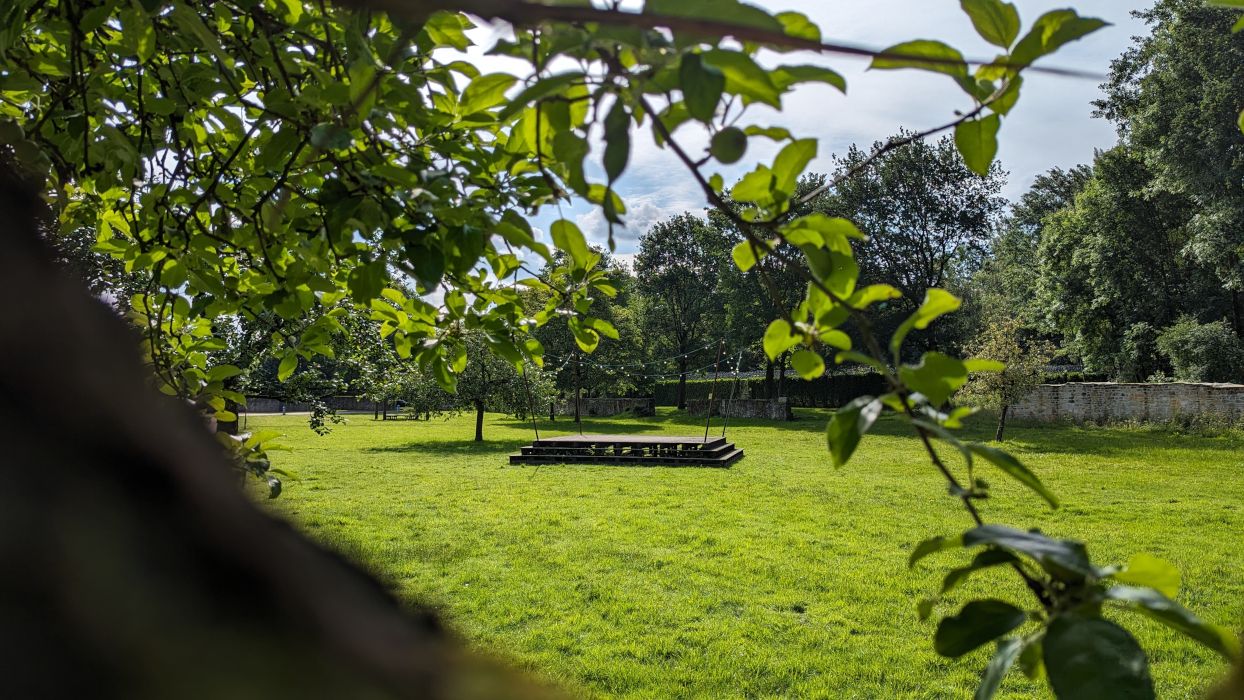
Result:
[1008,650]
[701,85]
[933,545]
[925,54]
[1015,469]
[979,622]
[746,254]
[977,141]
[536,91]
[219,373]
[755,186]
[327,136]
[743,77]
[981,364]
[798,25]
[289,363]
[447,29]
[997,22]
[872,294]
[986,559]
[937,376]
[1147,570]
[1066,560]
[1051,31]
[785,76]
[484,92]
[1088,658]
[937,303]
[848,425]
[808,364]
[617,140]
[790,162]
[1030,659]
[569,239]
[728,145]
[1161,608]
[779,337]
[138,33]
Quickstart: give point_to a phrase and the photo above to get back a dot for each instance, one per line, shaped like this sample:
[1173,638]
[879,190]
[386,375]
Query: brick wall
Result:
[1104,402]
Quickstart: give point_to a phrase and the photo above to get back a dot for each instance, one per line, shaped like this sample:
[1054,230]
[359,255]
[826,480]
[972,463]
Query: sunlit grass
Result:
[779,577]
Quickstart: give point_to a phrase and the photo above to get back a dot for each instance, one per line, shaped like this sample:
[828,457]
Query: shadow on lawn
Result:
[447,448]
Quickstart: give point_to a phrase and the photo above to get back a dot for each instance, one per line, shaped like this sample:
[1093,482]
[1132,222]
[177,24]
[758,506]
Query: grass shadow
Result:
[449,447]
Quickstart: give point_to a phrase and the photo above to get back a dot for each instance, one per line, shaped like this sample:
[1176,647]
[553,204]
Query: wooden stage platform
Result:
[637,450]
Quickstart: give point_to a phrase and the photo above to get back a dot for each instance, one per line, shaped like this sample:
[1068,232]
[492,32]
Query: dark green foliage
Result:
[1203,352]
[828,391]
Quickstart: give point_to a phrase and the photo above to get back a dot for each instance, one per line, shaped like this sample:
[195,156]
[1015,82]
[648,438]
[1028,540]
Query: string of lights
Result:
[625,365]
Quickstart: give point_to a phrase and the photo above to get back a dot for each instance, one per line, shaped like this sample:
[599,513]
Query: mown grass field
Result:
[780,577]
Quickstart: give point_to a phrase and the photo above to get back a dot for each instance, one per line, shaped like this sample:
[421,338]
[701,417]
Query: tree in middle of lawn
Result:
[679,266]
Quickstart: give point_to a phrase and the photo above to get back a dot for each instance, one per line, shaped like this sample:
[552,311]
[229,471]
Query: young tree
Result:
[679,269]
[1025,362]
[491,383]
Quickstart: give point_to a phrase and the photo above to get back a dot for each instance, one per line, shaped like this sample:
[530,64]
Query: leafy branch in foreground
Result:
[270,159]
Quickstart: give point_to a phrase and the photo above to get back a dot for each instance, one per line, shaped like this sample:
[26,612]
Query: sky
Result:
[1052,125]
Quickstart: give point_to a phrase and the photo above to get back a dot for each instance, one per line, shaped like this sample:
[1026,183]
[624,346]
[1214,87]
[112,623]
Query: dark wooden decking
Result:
[668,450]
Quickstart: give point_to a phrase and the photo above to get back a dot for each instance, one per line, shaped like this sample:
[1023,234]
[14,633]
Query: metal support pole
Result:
[530,405]
[725,419]
[578,400]
[708,418]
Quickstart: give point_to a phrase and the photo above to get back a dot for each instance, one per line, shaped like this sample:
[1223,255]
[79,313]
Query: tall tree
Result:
[679,268]
[1005,286]
[614,367]
[768,289]
[1112,260]
[1003,340]
[1175,97]
[928,216]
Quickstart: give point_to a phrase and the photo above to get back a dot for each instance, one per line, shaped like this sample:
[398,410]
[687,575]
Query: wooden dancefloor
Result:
[638,450]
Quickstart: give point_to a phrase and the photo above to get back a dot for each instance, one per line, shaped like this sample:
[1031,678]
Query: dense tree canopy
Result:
[1174,97]
[679,268]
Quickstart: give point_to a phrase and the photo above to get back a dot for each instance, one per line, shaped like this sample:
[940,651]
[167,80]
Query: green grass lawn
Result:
[778,577]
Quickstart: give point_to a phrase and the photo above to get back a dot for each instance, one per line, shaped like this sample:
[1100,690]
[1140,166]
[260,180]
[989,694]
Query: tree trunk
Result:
[479,420]
[552,411]
[1235,313]
[385,415]
[768,378]
[578,396]
[1001,422]
[781,378]
[375,410]
[682,382]
[123,520]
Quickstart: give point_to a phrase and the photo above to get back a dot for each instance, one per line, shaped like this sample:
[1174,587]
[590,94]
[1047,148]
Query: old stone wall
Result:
[1105,402]
[768,409]
[609,407]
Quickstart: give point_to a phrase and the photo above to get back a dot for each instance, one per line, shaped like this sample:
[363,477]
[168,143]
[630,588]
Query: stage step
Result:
[636,450]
